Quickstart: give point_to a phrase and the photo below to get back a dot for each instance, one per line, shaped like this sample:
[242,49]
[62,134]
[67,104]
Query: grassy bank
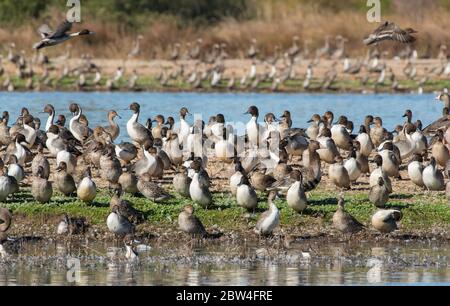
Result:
[424,214]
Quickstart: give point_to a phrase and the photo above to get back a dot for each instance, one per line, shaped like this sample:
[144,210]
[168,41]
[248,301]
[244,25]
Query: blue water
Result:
[355,106]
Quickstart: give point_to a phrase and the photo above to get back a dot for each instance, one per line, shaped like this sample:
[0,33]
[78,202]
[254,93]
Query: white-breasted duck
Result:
[415,170]
[296,196]
[76,126]
[199,190]
[15,170]
[245,195]
[379,172]
[433,177]
[182,182]
[353,166]
[118,223]
[137,132]
[71,225]
[253,130]
[269,219]
[386,221]
[338,174]
[87,189]
[59,36]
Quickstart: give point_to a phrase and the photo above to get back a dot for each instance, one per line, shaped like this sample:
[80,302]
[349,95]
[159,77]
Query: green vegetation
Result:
[420,212]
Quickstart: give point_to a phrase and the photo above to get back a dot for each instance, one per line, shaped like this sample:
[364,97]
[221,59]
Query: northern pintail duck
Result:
[365,141]
[338,174]
[5,137]
[64,181]
[340,134]
[385,221]
[235,179]
[78,125]
[199,188]
[172,148]
[184,129]
[314,129]
[156,131]
[379,172]
[189,223]
[152,190]
[113,129]
[128,180]
[60,35]
[439,150]
[343,221]
[415,170]
[245,195]
[253,130]
[40,160]
[131,251]
[28,131]
[110,167]
[391,163]
[71,225]
[433,177]
[15,169]
[269,219]
[379,194]
[390,31]
[353,166]
[5,224]
[261,181]
[126,152]
[125,207]
[151,164]
[328,150]
[137,132]
[50,110]
[41,188]
[8,184]
[377,133]
[118,223]
[362,159]
[224,149]
[87,189]
[286,123]
[296,196]
[182,182]
[18,150]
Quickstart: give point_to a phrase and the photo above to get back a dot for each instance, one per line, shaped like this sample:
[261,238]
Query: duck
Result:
[28,131]
[113,129]
[338,174]
[340,134]
[15,169]
[156,131]
[59,36]
[71,225]
[385,221]
[365,141]
[128,180]
[152,190]
[8,184]
[184,128]
[439,150]
[415,170]
[362,159]
[18,150]
[390,31]
[5,224]
[125,207]
[314,129]
[235,179]
[253,129]
[343,221]
[41,188]
[198,190]
[189,223]
[151,164]
[441,123]
[54,142]
[224,149]
[379,194]
[246,195]
[40,160]
[172,148]
[137,132]
[285,124]
[379,172]
[296,196]
[78,129]
[328,150]
[391,163]
[5,137]
[296,143]
[182,182]
[269,219]
[117,223]
[64,181]
[68,155]
[432,177]
[261,181]
[110,167]
[126,152]
[87,189]
[353,166]
[378,132]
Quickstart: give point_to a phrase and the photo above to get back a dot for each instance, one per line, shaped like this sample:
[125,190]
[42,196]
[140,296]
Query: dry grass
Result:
[275,23]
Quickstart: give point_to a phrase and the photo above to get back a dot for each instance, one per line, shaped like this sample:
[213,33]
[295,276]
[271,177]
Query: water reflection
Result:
[338,264]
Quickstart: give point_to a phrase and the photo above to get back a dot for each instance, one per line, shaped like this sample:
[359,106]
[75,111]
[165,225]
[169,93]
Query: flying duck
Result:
[53,38]
[390,31]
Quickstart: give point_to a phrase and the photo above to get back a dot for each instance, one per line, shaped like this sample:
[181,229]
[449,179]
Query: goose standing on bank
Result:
[53,38]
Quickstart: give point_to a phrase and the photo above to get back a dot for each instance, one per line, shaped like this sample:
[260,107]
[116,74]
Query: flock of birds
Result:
[210,69]
[273,158]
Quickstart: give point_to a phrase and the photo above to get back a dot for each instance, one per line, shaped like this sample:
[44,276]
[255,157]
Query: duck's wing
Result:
[45,31]
[62,30]
[402,36]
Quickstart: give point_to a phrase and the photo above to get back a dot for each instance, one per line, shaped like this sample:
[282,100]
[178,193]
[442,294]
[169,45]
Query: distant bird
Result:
[137,47]
[53,38]
[390,31]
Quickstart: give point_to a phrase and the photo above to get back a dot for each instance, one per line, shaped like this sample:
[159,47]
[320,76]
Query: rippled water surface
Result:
[356,107]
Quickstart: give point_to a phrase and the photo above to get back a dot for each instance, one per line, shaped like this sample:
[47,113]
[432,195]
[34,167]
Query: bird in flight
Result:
[390,31]
[53,38]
